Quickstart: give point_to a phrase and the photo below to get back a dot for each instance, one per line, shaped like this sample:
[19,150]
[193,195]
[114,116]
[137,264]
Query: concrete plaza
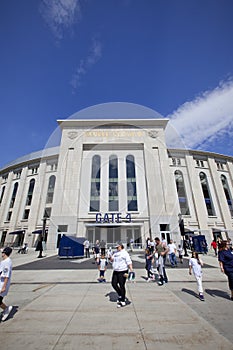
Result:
[58,308]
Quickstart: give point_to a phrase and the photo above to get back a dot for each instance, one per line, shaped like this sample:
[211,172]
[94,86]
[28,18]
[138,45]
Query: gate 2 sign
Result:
[111,218]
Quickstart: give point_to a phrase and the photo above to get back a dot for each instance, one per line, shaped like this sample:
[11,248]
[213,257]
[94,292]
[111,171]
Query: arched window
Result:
[206,194]
[180,187]
[50,192]
[30,192]
[227,193]
[12,202]
[131,184]
[113,183]
[95,183]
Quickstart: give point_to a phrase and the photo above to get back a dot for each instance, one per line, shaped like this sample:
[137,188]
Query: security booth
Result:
[199,244]
[71,247]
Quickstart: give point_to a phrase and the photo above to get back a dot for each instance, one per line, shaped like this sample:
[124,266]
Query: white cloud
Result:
[201,122]
[60,15]
[94,55]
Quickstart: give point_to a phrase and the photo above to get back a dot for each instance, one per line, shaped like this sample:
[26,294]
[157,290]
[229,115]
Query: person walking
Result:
[102,247]
[96,251]
[225,258]
[121,262]
[86,244]
[162,251]
[172,253]
[214,246]
[149,261]
[180,253]
[131,244]
[102,267]
[5,281]
[195,266]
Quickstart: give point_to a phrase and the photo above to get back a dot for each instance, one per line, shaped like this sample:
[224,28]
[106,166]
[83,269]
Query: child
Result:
[5,280]
[149,261]
[180,252]
[195,265]
[102,266]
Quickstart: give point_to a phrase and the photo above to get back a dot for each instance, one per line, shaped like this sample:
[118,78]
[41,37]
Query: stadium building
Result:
[113,178]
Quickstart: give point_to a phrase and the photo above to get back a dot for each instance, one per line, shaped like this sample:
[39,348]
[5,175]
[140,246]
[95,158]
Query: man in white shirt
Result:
[86,244]
[172,253]
[5,281]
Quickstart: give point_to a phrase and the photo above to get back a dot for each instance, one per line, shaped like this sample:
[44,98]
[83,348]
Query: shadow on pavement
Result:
[217,293]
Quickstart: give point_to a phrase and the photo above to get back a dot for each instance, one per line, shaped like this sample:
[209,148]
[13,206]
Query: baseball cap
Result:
[7,251]
[119,244]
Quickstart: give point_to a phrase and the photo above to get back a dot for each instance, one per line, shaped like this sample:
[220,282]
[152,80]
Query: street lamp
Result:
[42,239]
[182,232]
[43,228]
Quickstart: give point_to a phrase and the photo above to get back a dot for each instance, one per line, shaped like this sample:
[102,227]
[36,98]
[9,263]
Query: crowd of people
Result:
[156,253]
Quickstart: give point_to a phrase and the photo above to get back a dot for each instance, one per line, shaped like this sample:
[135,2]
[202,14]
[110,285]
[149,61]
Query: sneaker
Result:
[148,279]
[6,313]
[121,304]
[201,296]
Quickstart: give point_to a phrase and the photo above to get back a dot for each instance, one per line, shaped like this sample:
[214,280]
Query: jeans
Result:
[172,258]
[161,269]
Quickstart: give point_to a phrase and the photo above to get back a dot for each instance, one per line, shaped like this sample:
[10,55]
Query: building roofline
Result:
[199,153]
[32,157]
[93,123]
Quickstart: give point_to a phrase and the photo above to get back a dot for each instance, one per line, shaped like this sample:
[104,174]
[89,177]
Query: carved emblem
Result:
[153,134]
[72,134]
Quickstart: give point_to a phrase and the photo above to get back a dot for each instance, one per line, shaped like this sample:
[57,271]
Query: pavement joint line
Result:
[136,315]
[71,318]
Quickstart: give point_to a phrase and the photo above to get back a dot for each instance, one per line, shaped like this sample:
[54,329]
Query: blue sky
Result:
[58,57]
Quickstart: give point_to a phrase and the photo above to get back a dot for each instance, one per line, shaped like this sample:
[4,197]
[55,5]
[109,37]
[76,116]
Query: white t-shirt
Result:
[103,264]
[121,260]
[5,271]
[197,271]
[86,244]
[172,248]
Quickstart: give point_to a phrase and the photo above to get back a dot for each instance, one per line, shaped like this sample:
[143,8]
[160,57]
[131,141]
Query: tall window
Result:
[227,193]
[95,183]
[12,202]
[131,184]
[180,187]
[113,183]
[2,194]
[30,192]
[206,193]
[50,191]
